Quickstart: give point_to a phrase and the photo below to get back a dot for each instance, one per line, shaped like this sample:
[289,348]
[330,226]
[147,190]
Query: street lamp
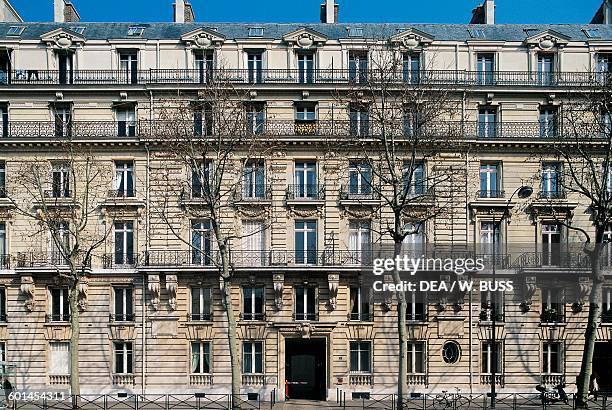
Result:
[523,192]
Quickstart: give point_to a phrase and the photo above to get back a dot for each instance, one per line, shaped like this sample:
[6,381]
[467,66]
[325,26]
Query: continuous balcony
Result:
[461,78]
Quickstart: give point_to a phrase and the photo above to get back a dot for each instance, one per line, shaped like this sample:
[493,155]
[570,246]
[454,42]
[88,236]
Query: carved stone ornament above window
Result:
[305,38]
[62,38]
[411,39]
[547,40]
[203,38]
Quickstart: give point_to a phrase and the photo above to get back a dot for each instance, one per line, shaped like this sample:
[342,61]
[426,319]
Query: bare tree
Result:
[60,197]
[398,117]
[217,142]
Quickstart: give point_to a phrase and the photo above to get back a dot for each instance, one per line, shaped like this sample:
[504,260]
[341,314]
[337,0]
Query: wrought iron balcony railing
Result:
[309,316]
[558,194]
[490,194]
[306,191]
[363,192]
[120,260]
[43,259]
[5,261]
[253,192]
[57,317]
[555,258]
[199,317]
[121,317]
[32,76]
[553,316]
[121,193]
[57,193]
[361,316]
[486,315]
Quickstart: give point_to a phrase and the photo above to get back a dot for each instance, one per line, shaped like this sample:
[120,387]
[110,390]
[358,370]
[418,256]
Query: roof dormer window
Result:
[135,31]
[477,33]
[592,32]
[355,32]
[256,31]
[15,30]
[78,30]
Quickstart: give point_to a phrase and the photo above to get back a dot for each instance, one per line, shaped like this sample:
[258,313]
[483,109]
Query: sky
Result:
[409,11]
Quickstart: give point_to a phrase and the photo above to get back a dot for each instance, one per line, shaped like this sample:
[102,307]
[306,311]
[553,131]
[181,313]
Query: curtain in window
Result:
[59,363]
[195,357]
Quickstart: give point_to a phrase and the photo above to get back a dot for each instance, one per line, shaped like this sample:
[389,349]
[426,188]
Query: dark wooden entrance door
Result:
[305,369]
[602,365]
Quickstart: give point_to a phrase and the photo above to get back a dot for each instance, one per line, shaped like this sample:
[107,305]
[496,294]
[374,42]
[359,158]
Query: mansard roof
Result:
[441,32]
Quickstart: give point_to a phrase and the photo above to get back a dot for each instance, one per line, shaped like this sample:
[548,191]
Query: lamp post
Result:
[523,192]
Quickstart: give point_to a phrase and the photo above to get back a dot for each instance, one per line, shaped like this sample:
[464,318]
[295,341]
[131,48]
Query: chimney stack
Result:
[65,12]
[179,11]
[484,13]
[329,12]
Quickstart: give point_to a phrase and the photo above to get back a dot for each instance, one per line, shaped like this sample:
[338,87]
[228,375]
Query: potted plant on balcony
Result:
[549,316]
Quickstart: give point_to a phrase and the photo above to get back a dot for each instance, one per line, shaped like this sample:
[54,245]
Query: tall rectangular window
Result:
[305,242]
[4,118]
[126,121]
[204,64]
[256,117]
[201,304]
[413,122]
[201,179]
[413,174]
[411,68]
[201,242]
[359,118]
[59,243]
[416,310]
[124,357]
[60,181]
[252,357]
[2,179]
[606,309]
[546,69]
[360,179]
[128,64]
[124,243]
[492,306]
[305,303]
[59,309]
[59,358]
[361,356]
[487,122]
[358,67]
[552,360]
[305,180]
[254,243]
[124,304]
[305,68]
[490,181]
[360,241]
[548,122]
[124,179]
[359,304]
[254,174]
[63,120]
[255,66]
[306,118]
[200,357]
[416,357]
[253,302]
[550,185]
[553,307]
[65,64]
[4,257]
[551,244]
[414,241]
[485,67]
[202,119]
[490,361]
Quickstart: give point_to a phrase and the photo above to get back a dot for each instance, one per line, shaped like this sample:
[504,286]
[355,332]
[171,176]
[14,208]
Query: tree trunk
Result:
[402,386]
[586,366]
[75,388]
[231,329]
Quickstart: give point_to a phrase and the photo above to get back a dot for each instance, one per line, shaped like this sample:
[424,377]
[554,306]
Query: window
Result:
[124,243]
[123,358]
[490,239]
[548,122]
[490,181]
[305,303]
[476,33]
[416,309]
[204,64]
[59,310]
[59,243]
[128,64]
[201,242]
[60,181]
[551,358]
[416,357]
[203,123]
[305,180]
[2,179]
[63,120]
[545,69]
[4,257]
[252,357]
[253,303]
[491,305]
[360,304]
[59,358]
[305,68]
[305,242]
[360,241]
[411,68]
[414,178]
[592,32]
[361,356]
[4,118]
[412,121]
[551,244]
[201,304]
[490,361]
[606,309]
[485,67]
[78,29]
[200,357]
[414,241]
[124,310]
[359,119]
[255,115]
[65,66]
[253,243]
[451,352]
[126,121]
[358,67]
[550,187]
[305,112]
[15,30]
[255,66]
[254,186]
[201,179]
[360,180]
[124,179]
[355,32]
[135,31]
[552,305]
[605,122]
[604,67]
[487,123]
[256,31]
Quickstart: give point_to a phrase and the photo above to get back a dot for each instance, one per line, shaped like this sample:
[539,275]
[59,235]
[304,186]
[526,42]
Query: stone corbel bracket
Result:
[333,281]
[529,290]
[584,290]
[82,289]
[154,288]
[27,289]
[171,286]
[279,284]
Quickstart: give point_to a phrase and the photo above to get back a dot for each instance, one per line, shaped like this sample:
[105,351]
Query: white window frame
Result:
[64,348]
[124,299]
[412,351]
[253,364]
[491,170]
[548,351]
[485,367]
[201,352]
[124,351]
[124,170]
[63,170]
[359,350]
[125,231]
